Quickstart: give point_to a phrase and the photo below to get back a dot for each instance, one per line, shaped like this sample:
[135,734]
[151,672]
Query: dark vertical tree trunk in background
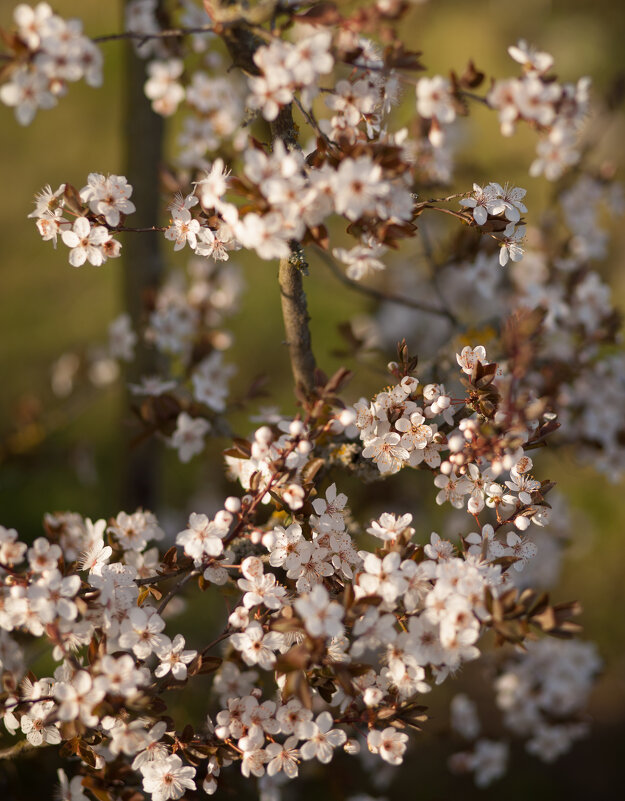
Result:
[143,267]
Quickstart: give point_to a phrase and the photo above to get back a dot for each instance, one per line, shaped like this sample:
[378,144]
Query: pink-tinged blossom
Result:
[361,260]
[173,658]
[323,740]
[167,778]
[12,551]
[258,587]
[189,435]
[85,242]
[26,92]
[108,196]
[387,452]
[141,632]
[389,527]
[183,229]
[283,757]
[120,676]
[357,185]
[510,249]
[203,537]
[389,743]
[434,99]
[257,648]
[77,698]
[321,616]
[43,555]
[163,87]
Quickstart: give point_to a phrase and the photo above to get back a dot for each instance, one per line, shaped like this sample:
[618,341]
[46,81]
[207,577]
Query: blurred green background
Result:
[49,308]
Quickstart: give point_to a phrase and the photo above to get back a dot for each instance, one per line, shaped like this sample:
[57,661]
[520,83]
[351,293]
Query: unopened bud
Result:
[232,504]
[296,428]
[264,435]
[456,443]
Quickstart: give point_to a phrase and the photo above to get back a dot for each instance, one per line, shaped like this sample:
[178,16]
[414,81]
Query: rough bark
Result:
[296,317]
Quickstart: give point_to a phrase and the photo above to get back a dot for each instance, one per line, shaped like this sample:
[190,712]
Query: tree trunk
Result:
[143,267]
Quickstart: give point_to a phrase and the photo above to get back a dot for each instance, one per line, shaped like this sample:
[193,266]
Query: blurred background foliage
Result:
[69,454]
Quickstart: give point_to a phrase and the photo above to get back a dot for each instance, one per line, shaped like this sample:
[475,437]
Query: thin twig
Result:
[477,98]
[175,590]
[217,640]
[162,576]
[313,123]
[124,229]
[384,296]
[457,214]
[172,33]
[27,701]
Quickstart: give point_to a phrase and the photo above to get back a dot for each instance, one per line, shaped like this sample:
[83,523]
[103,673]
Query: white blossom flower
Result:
[389,743]
[321,616]
[167,778]
[324,739]
[173,658]
[85,242]
[257,647]
[189,435]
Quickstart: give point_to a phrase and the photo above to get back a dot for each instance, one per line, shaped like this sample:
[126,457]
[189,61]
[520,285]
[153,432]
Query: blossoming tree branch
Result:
[341,624]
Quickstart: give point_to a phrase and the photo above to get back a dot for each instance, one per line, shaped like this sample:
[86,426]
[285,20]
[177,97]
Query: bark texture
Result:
[296,317]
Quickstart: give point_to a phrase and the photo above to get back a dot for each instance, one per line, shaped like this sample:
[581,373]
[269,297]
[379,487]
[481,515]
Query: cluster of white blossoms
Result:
[436,102]
[312,608]
[542,690]
[541,693]
[47,52]
[330,622]
[216,104]
[217,110]
[187,327]
[395,434]
[294,197]
[287,68]
[394,430]
[505,204]
[291,445]
[557,109]
[98,207]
